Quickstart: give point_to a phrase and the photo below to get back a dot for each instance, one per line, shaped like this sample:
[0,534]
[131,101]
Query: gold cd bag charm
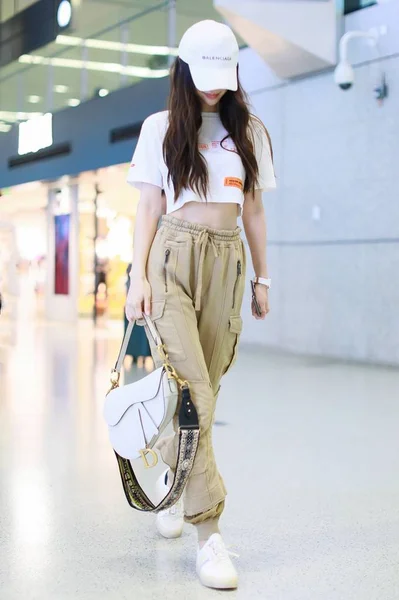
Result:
[138,413]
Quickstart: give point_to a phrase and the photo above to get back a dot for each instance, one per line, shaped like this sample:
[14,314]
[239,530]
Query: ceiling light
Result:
[73,102]
[61,89]
[11,116]
[64,13]
[34,99]
[103,92]
[35,134]
[5,127]
[72,63]
[69,40]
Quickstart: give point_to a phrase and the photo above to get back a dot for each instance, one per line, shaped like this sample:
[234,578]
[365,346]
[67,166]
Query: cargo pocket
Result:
[163,321]
[235,328]
[157,309]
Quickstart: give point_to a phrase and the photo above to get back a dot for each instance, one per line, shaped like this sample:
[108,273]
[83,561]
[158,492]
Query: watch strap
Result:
[263,281]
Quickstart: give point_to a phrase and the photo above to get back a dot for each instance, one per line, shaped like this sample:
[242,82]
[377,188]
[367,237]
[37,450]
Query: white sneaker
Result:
[169,522]
[214,566]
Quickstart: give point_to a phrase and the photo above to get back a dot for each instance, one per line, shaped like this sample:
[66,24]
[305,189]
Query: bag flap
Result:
[120,399]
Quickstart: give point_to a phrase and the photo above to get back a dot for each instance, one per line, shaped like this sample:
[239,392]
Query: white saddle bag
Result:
[138,413]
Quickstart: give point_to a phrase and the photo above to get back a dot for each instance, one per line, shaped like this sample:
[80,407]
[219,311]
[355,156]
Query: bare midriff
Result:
[211,214]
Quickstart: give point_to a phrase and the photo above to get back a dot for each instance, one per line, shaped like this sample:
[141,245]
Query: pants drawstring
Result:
[203,240]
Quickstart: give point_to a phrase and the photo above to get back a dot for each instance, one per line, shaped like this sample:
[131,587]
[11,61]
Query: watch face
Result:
[64,13]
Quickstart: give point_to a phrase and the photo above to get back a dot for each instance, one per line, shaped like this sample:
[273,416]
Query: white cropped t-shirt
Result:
[225,169]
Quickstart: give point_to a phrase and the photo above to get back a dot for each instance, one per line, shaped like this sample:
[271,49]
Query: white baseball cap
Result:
[211,51]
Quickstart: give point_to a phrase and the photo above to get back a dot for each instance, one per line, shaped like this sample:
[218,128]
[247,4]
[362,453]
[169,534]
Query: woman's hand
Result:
[148,214]
[138,298]
[254,221]
[262,296]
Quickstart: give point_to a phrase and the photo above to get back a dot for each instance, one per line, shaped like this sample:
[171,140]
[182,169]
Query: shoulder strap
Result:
[129,330]
[189,434]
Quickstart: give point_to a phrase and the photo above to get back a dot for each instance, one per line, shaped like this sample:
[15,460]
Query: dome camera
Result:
[344,75]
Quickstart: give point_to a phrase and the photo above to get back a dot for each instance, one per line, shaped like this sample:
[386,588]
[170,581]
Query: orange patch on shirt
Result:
[233,182]
[203,146]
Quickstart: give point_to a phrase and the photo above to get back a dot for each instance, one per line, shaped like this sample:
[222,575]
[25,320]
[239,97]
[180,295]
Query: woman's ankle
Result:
[206,529]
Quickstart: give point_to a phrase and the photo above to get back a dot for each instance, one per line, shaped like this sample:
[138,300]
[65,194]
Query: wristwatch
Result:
[263,281]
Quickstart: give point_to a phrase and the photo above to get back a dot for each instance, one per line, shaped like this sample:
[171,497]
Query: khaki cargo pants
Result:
[197,277]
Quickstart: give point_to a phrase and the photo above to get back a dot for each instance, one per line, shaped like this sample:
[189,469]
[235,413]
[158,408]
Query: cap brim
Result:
[207,79]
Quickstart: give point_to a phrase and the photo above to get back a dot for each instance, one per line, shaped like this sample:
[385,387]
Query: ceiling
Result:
[27,88]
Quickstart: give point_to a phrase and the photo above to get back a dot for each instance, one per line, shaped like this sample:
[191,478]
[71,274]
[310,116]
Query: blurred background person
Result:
[138,349]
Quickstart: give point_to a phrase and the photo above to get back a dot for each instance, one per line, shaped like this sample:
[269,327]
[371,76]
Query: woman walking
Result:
[212,158]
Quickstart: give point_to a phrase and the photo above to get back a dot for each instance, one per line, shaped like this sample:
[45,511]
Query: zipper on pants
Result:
[239,271]
[167,254]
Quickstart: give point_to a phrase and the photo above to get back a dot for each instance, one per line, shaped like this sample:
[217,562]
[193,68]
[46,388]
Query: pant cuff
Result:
[212,514]
[204,502]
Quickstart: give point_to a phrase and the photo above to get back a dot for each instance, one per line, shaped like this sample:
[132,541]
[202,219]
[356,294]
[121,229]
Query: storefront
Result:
[9,290]
[23,250]
[107,208]
[73,241]
[63,192]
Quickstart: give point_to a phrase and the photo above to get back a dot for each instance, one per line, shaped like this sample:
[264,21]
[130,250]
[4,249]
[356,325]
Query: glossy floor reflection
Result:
[309,450]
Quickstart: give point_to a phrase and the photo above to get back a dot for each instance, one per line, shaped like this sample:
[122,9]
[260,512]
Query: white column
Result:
[171,28]
[84,74]
[124,36]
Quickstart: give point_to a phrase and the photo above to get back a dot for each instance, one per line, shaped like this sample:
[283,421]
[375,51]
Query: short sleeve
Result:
[146,161]
[266,180]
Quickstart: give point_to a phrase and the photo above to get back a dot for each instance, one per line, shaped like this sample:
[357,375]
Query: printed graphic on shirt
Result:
[233,182]
[227,144]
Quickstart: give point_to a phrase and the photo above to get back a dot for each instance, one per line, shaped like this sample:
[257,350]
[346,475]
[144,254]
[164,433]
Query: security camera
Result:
[344,75]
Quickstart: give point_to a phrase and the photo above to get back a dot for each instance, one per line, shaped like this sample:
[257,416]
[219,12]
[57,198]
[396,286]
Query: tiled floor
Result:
[309,450]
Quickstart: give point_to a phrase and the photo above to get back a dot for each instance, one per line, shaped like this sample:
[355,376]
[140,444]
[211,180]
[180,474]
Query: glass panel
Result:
[150,36]
[69,77]
[75,68]
[189,13]
[8,105]
[121,56]
[35,92]
[16,103]
[7,9]
[353,5]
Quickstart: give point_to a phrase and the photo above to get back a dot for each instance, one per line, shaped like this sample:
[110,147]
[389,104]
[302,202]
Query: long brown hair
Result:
[186,166]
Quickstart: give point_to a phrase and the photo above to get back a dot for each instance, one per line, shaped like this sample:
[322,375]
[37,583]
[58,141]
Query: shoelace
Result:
[176,510]
[221,552]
